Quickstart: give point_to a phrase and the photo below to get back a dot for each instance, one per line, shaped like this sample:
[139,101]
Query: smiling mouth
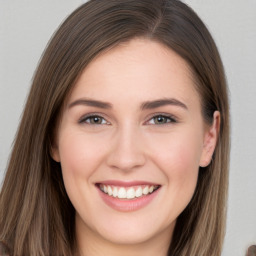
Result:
[127,193]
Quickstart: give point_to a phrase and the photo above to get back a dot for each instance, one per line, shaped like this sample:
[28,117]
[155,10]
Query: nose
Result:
[126,150]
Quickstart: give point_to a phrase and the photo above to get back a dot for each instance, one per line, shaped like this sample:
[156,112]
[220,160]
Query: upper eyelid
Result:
[163,114]
[92,115]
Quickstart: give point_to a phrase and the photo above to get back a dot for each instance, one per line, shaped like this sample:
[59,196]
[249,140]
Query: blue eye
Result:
[161,119]
[94,120]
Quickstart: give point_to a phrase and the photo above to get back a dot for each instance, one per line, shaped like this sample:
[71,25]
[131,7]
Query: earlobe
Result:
[55,153]
[210,140]
[54,145]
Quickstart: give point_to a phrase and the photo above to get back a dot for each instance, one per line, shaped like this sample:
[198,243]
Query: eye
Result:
[161,119]
[93,120]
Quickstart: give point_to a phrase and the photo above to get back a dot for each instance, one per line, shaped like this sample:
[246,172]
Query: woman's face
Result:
[131,141]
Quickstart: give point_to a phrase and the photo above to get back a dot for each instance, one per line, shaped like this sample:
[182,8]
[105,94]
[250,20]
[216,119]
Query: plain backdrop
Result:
[27,25]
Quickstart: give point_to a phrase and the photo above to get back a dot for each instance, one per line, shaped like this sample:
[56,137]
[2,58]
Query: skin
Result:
[128,144]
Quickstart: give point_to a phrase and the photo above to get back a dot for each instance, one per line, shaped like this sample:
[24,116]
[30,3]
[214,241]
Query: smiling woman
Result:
[118,157]
[124,143]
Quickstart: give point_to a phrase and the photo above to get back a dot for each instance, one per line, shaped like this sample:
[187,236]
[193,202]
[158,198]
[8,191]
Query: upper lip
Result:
[126,183]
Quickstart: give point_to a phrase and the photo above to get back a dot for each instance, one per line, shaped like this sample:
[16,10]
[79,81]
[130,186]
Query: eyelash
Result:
[170,119]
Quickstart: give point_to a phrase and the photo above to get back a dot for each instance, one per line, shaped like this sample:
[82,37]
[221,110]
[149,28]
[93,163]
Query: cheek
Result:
[176,155]
[179,152]
[80,157]
[79,154]
[178,158]
[181,168]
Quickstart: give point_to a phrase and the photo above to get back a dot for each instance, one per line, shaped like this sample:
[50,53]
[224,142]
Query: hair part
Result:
[36,215]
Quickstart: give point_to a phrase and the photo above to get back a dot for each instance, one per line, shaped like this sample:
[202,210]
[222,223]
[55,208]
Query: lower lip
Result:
[128,205]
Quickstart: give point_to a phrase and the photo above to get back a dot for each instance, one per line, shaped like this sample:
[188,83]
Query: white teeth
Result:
[130,194]
[138,192]
[121,193]
[109,191]
[145,190]
[127,193]
[115,192]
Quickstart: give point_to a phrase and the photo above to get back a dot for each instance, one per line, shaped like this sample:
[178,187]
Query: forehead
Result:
[137,70]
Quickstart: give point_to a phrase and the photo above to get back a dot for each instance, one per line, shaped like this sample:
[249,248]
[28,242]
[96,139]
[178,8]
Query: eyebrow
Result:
[162,102]
[144,106]
[91,103]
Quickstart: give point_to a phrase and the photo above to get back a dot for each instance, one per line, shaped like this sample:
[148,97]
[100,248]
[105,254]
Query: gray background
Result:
[27,25]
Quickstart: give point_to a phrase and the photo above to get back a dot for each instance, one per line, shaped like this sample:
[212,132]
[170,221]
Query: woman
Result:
[123,147]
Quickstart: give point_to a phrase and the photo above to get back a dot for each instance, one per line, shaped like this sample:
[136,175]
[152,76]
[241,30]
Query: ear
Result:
[210,140]
[55,152]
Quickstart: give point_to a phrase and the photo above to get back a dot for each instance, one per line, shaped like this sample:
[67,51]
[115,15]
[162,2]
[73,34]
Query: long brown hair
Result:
[36,215]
